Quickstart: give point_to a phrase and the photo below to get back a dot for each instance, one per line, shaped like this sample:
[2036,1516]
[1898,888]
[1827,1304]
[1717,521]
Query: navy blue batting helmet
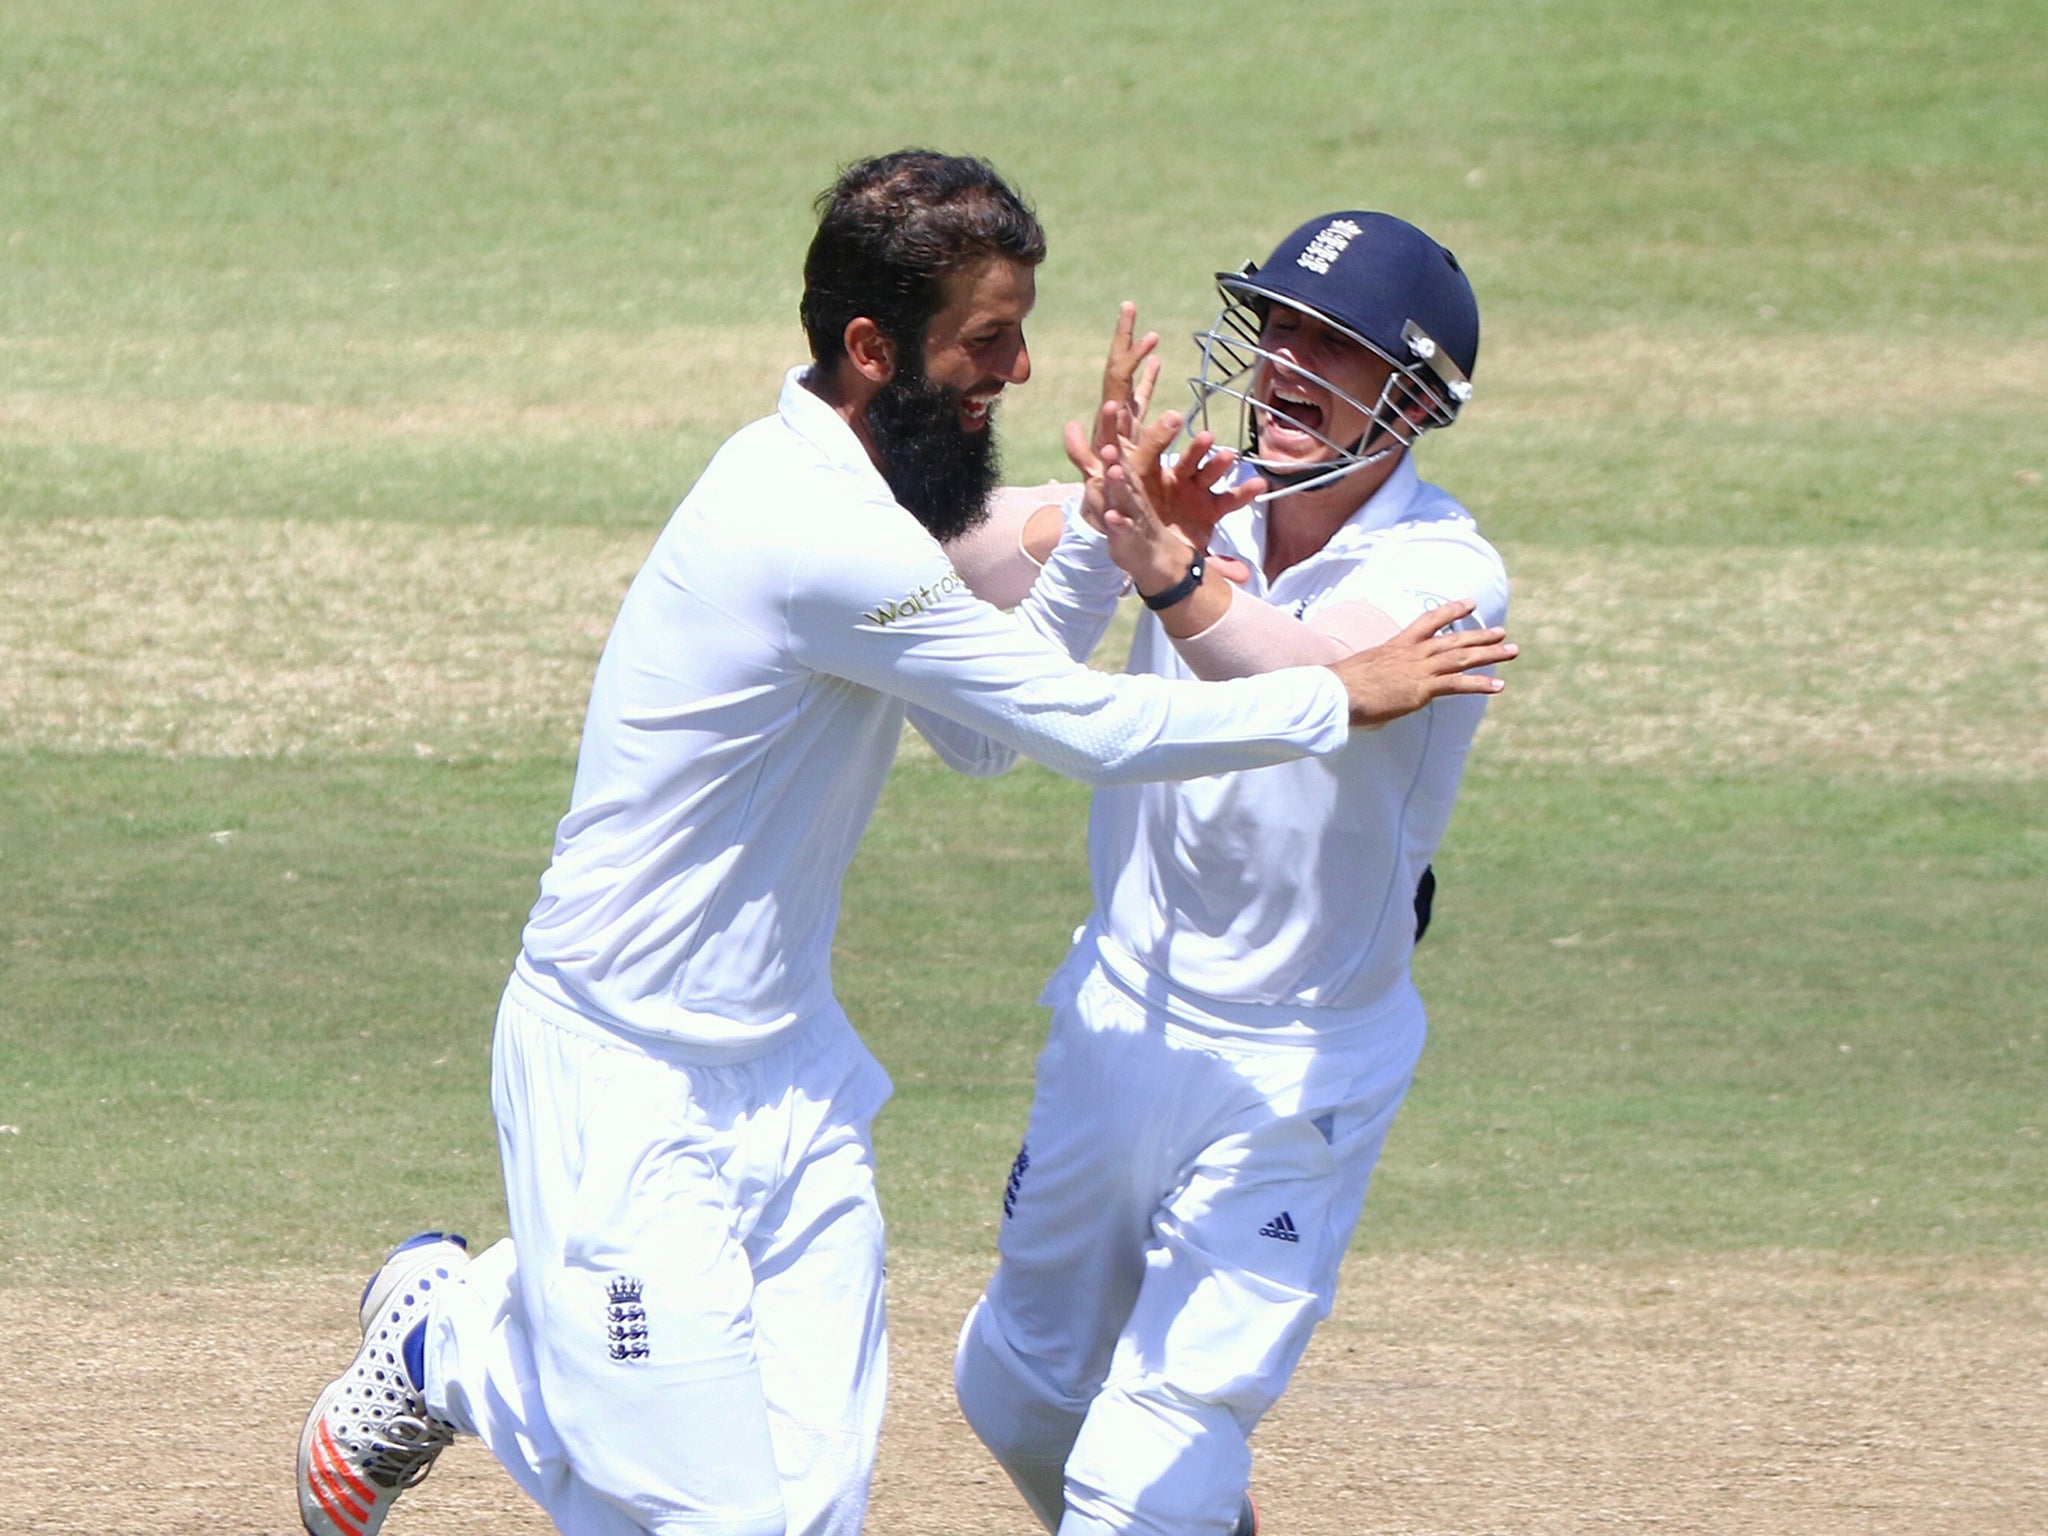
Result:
[1376,279]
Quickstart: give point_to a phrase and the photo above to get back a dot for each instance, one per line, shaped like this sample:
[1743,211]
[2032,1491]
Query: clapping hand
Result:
[1183,492]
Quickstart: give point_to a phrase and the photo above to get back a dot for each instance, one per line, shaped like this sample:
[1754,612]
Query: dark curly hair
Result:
[892,229]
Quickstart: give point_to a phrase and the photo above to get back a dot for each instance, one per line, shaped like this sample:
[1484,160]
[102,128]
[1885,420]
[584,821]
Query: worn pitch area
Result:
[1450,1395]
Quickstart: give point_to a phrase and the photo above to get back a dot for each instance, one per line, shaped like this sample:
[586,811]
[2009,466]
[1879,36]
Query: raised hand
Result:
[1132,369]
[1425,661]
[1149,551]
[1112,422]
[1128,378]
[1188,492]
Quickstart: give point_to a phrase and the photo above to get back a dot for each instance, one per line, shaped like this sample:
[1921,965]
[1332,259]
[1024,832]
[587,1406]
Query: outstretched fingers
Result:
[1467,648]
[1146,382]
[1443,616]
[1465,682]
[1152,440]
[1426,660]
[1454,655]
[1456,664]
[1132,369]
[1080,450]
[1202,469]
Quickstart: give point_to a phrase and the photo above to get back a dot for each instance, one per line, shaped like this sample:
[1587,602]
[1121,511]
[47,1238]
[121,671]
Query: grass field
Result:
[350,358]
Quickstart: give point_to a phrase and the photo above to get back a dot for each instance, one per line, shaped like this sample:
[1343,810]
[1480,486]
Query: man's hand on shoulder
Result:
[1425,661]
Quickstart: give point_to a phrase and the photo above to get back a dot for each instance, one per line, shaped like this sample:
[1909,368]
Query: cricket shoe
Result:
[370,1436]
[1247,1519]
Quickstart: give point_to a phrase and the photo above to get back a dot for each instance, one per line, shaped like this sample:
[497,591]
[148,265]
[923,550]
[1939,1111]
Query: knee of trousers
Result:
[1026,1423]
[1153,1459]
[1008,1400]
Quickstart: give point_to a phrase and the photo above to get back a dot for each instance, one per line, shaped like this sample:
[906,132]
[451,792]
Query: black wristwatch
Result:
[1181,589]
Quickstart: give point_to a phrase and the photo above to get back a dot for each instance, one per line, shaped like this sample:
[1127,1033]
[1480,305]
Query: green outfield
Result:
[351,356]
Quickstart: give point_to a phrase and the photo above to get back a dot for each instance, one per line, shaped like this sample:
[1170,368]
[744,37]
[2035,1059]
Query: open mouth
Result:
[974,409]
[1290,414]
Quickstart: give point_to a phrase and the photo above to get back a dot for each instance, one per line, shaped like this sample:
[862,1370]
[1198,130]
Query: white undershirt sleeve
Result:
[911,628]
[1077,591]
[1071,604]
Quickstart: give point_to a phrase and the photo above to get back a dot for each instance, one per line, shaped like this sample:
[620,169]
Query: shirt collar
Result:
[1390,504]
[805,414]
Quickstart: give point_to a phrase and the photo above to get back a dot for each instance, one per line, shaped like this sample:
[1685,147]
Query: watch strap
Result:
[1180,590]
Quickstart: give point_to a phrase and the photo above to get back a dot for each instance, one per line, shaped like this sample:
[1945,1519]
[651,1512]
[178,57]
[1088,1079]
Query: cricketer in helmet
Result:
[1235,1025]
[1358,334]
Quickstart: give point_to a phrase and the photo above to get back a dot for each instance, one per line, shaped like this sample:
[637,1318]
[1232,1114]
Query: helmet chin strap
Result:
[1298,479]
[1306,477]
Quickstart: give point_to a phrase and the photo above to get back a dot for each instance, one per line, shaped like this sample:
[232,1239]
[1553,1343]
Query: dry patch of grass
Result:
[1726,1395]
[284,639]
[1630,373]
[234,638]
[227,423]
[1856,658]
[1449,1395]
[262,389]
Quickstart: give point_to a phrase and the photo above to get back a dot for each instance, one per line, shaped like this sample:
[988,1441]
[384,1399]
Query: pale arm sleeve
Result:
[1253,637]
[991,557]
[1391,590]
[1071,596]
[957,658]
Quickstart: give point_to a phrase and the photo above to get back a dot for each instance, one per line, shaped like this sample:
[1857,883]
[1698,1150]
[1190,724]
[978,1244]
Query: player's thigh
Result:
[636,1293]
[814,1240]
[820,1333]
[1080,1194]
[645,1343]
[1241,1267]
[1245,1255]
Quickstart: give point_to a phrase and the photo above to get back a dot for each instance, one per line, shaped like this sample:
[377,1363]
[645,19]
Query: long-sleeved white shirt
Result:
[748,705]
[1281,899]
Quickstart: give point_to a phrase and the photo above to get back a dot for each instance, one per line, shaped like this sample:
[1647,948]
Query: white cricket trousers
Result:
[1172,1232]
[685,1332]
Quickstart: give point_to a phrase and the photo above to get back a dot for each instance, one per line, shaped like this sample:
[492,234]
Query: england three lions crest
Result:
[626,1320]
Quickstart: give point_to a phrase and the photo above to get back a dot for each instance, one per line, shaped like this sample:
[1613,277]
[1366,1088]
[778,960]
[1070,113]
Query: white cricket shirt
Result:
[746,710]
[1284,895]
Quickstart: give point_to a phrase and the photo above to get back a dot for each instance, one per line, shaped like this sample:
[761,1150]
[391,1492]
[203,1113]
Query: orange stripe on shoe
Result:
[343,1472]
[335,1500]
[338,1505]
[345,1516]
[330,1479]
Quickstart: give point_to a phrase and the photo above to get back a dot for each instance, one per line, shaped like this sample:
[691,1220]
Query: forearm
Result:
[1077,592]
[1147,728]
[1251,636]
[993,679]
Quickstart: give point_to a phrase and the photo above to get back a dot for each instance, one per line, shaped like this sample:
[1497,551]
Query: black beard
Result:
[940,473]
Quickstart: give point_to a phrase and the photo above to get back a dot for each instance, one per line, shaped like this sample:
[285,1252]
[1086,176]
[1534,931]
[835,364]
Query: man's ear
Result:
[870,351]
